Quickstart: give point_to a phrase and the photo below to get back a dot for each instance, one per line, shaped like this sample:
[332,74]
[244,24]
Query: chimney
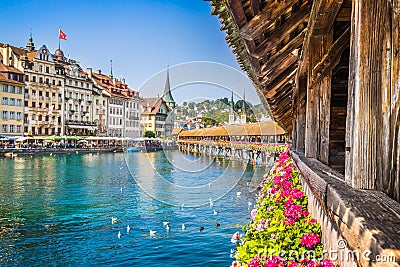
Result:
[123,80]
[99,71]
[89,72]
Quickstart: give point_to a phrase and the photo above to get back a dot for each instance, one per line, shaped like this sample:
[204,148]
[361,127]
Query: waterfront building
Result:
[77,113]
[123,106]
[12,98]
[99,105]
[158,112]
[43,87]
[154,115]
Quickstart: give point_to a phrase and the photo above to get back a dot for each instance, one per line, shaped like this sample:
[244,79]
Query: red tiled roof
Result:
[118,89]
[151,105]
[4,78]
[4,68]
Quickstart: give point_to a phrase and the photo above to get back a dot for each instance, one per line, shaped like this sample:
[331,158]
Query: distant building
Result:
[123,106]
[158,113]
[12,98]
[154,116]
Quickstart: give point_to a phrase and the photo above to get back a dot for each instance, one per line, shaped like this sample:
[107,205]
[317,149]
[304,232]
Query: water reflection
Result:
[57,210]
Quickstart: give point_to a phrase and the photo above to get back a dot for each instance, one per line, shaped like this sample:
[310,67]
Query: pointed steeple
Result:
[243,115]
[232,111]
[244,102]
[111,74]
[30,45]
[167,96]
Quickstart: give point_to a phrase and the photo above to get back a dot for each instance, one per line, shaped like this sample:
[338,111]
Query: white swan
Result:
[128,229]
[183,226]
[119,234]
[113,220]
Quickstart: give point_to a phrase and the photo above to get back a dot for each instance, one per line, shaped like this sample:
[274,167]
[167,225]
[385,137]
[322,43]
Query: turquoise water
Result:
[56,210]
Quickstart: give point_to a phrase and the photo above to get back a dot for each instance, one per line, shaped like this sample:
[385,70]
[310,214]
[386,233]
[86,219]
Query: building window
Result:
[40,79]
[34,79]
[19,102]
[40,68]
[19,90]
[5,101]
[18,116]
[12,101]
[5,88]
[47,81]
[12,115]
[5,115]
[54,82]
[26,78]
[12,128]
[59,83]
[47,70]
[4,128]
[18,128]
[12,89]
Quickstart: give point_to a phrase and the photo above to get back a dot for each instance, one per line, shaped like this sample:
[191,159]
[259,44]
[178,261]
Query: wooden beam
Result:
[277,58]
[290,66]
[326,19]
[254,7]
[275,72]
[238,12]
[331,58]
[271,91]
[344,14]
[265,18]
[290,25]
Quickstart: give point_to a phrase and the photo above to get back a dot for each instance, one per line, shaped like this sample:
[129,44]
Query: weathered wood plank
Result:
[277,58]
[318,103]
[255,7]
[331,58]
[238,12]
[367,53]
[265,18]
[282,32]
[275,72]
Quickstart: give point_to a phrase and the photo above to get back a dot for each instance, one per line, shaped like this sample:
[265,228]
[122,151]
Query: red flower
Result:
[310,240]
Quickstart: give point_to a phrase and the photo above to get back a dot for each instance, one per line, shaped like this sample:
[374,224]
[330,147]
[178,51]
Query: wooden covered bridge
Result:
[255,143]
[329,72]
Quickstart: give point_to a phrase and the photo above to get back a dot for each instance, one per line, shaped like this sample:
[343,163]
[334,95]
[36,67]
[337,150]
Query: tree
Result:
[150,134]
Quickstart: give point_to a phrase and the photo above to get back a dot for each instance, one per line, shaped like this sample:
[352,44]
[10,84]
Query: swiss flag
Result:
[62,35]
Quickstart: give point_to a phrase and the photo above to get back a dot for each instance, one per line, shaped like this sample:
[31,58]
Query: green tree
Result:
[150,134]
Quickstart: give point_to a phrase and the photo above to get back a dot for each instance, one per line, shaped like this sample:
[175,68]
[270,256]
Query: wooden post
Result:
[364,149]
[318,102]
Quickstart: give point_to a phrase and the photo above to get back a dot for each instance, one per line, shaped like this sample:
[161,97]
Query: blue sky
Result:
[141,37]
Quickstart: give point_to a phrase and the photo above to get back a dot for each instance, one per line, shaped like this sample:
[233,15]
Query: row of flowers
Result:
[240,145]
[281,231]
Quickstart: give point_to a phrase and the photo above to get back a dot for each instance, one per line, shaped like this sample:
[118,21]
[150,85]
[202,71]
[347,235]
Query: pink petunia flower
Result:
[253,214]
[310,240]
[235,237]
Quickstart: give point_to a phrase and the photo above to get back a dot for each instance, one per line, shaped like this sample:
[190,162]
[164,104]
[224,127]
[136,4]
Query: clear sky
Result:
[141,37]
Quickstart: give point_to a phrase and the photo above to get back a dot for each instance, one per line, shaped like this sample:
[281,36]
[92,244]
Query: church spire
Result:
[232,111]
[111,73]
[167,96]
[243,116]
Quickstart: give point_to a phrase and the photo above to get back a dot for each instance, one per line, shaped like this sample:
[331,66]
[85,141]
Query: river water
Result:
[57,210]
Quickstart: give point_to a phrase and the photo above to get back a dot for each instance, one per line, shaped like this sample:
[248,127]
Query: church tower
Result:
[167,96]
[232,112]
[243,115]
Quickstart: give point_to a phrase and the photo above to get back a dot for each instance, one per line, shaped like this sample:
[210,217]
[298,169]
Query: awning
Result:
[90,128]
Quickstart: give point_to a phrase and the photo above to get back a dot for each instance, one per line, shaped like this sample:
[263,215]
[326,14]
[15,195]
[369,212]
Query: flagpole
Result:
[59,38]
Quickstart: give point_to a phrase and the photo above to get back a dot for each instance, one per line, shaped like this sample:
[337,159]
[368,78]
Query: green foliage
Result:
[214,112]
[280,220]
[150,134]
